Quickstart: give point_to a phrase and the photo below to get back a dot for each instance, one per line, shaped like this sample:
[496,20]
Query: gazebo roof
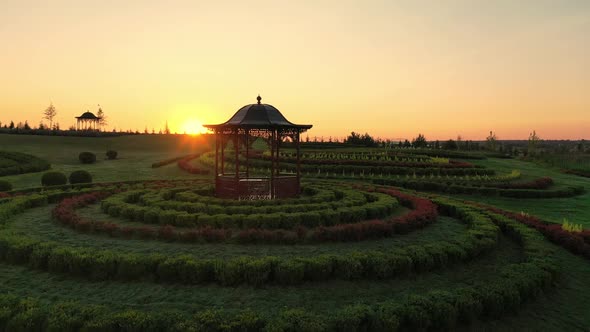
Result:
[87,115]
[258,116]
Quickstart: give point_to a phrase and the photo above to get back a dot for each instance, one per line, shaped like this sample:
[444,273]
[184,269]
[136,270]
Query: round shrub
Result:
[87,157]
[5,186]
[53,179]
[111,154]
[80,176]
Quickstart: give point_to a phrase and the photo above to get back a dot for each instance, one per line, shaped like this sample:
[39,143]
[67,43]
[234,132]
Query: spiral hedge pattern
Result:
[180,250]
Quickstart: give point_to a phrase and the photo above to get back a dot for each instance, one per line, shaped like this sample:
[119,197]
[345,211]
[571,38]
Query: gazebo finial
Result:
[259,98]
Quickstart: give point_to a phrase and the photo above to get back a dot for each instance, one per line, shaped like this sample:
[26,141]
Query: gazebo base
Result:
[253,188]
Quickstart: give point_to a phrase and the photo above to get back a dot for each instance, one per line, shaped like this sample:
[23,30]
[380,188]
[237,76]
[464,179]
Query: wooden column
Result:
[216,154]
[278,167]
[247,140]
[237,151]
[272,164]
[297,147]
[222,138]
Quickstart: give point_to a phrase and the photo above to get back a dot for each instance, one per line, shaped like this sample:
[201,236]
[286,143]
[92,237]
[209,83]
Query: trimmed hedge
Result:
[109,265]
[53,179]
[5,186]
[353,209]
[423,213]
[513,285]
[19,163]
[87,157]
[80,176]
[111,154]
[425,185]
[185,165]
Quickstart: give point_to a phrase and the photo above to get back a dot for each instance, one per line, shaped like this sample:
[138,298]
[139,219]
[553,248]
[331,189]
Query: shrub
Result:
[5,186]
[80,176]
[87,157]
[111,154]
[53,179]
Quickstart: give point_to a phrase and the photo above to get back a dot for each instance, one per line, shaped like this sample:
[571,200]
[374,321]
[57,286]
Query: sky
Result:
[390,68]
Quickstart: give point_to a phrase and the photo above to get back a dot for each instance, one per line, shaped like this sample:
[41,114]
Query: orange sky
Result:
[390,68]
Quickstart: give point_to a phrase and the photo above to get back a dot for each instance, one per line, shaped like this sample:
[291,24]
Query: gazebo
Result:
[250,122]
[87,121]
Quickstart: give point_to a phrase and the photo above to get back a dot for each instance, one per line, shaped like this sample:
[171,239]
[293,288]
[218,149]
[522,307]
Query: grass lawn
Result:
[575,209]
[135,156]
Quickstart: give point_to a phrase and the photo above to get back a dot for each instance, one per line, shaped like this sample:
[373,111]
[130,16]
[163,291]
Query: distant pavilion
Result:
[248,123]
[87,121]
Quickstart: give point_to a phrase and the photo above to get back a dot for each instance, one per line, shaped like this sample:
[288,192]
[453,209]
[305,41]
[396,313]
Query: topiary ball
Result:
[5,186]
[53,179]
[80,176]
[87,157]
[111,154]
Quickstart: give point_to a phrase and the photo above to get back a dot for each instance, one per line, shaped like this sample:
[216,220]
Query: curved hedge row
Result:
[423,213]
[19,163]
[351,209]
[110,265]
[513,285]
[185,165]
[487,191]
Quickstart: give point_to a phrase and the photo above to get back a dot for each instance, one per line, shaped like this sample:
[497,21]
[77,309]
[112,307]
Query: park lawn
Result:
[136,154]
[576,209]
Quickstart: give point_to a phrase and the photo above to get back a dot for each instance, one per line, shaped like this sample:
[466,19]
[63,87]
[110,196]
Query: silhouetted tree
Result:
[491,141]
[102,118]
[358,139]
[167,129]
[11,126]
[49,113]
[26,126]
[450,145]
[420,141]
[533,140]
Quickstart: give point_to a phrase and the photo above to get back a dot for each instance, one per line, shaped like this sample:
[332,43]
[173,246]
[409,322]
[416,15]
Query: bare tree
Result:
[50,113]
[102,119]
[491,141]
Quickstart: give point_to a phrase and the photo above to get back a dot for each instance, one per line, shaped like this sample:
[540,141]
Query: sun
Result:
[193,127]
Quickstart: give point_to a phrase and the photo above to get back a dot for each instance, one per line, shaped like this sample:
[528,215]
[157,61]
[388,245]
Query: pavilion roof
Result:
[87,115]
[258,116]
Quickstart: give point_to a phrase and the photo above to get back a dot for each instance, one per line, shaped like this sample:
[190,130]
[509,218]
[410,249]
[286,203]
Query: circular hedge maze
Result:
[424,170]
[344,256]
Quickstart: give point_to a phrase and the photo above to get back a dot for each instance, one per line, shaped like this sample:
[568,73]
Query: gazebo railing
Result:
[254,188]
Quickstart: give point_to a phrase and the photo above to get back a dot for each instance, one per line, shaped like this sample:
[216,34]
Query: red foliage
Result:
[4,195]
[540,183]
[577,243]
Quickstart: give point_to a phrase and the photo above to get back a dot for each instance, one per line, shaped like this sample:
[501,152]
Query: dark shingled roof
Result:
[87,115]
[258,116]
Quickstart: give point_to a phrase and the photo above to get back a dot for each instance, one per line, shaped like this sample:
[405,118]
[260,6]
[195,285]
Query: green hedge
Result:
[354,207]
[19,163]
[108,265]
[485,191]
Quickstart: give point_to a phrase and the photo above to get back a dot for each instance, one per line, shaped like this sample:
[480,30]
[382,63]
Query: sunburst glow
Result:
[193,127]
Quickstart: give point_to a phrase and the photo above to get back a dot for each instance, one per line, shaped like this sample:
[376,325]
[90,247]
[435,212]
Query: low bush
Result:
[53,179]
[111,154]
[87,157]
[5,186]
[80,176]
